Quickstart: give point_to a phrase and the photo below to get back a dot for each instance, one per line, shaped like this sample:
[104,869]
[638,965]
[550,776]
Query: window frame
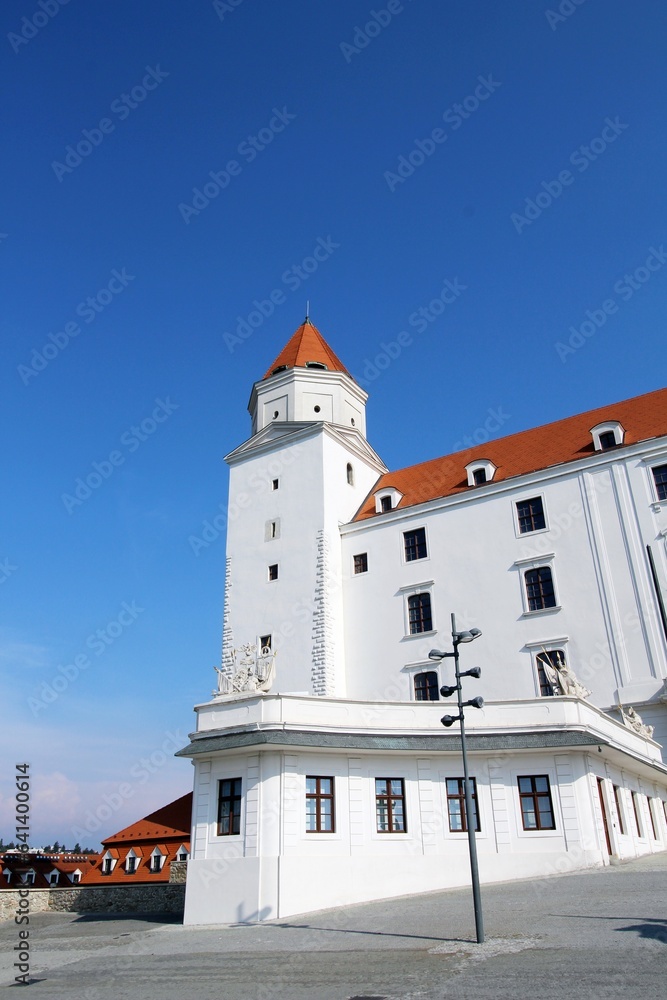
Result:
[424,537]
[318,797]
[234,817]
[272,573]
[543,590]
[517,518]
[655,486]
[460,797]
[534,794]
[641,835]
[619,810]
[364,557]
[389,797]
[411,621]
[428,686]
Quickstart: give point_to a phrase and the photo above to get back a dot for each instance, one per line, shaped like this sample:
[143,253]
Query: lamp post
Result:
[448,720]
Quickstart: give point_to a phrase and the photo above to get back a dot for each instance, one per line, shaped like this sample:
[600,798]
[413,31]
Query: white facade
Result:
[323,584]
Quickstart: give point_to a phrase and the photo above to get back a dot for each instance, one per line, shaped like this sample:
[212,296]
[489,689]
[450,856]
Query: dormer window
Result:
[316,364]
[386,500]
[53,878]
[607,435]
[480,471]
[108,863]
[280,368]
[131,861]
[182,853]
[157,860]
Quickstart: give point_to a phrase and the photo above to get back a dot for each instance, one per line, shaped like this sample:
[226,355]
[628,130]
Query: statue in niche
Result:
[248,669]
[633,720]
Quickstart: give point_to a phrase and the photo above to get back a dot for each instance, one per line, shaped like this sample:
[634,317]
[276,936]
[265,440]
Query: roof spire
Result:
[307,319]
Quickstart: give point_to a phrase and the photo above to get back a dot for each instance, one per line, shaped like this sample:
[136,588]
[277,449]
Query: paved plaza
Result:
[600,934]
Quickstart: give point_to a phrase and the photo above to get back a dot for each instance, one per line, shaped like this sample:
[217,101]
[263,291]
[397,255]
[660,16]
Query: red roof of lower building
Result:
[642,418]
[172,820]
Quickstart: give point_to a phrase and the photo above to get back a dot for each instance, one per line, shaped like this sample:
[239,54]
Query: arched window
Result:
[419,613]
[540,589]
[350,474]
[426,686]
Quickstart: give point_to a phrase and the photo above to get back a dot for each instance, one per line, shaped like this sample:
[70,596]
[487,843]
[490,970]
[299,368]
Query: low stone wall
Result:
[9,902]
[164,898]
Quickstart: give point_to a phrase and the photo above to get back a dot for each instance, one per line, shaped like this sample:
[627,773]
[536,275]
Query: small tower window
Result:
[607,440]
[316,364]
[350,474]
[275,414]
[273,571]
[317,409]
[479,475]
[275,484]
[265,643]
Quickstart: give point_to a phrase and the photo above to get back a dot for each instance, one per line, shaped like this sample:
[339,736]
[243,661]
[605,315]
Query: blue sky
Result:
[482,178]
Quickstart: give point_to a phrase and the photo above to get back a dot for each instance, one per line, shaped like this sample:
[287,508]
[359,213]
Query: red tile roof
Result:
[167,828]
[642,418]
[169,821]
[307,344]
[43,864]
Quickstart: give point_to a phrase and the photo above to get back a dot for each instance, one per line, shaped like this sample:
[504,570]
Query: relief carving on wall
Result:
[247,669]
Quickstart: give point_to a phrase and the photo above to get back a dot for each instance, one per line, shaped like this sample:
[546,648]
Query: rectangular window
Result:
[107,866]
[530,514]
[131,865]
[157,864]
[264,643]
[426,686]
[619,809]
[385,504]
[319,805]
[53,878]
[660,479]
[76,878]
[540,589]
[635,809]
[536,809]
[415,544]
[456,805]
[390,805]
[275,483]
[419,613]
[229,807]
[361,563]
[654,831]
[273,571]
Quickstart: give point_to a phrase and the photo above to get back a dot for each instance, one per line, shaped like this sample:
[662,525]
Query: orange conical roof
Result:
[307,344]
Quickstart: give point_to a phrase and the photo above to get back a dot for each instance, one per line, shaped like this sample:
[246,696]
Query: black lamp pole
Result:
[448,720]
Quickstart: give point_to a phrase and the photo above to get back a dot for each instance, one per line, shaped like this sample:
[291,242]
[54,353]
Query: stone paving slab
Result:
[598,934]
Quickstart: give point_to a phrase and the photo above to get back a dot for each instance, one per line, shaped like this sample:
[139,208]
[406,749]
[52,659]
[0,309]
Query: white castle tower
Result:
[305,470]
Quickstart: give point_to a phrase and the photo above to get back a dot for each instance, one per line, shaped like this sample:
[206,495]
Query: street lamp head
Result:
[463,637]
[477,702]
[436,654]
[467,636]
[447,690]
[449,720]
[473,672]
